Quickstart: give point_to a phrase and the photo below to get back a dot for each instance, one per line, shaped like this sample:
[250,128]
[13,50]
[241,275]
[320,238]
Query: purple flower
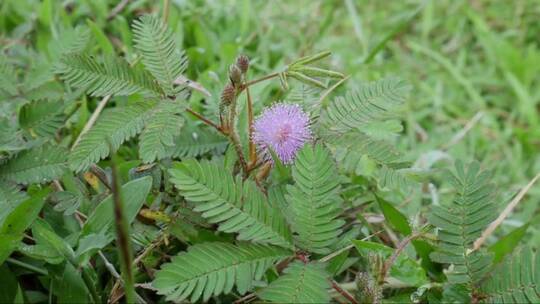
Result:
[284,128]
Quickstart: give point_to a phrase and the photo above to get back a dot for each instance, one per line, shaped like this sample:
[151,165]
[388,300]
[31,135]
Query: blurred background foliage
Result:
[474,66]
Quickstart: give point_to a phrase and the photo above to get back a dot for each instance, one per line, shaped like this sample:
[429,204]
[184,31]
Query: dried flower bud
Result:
[227,95]
[235,75]
[368,290]
[242,62]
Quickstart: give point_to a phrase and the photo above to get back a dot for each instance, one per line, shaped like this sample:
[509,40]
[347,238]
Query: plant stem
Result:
[252,152]
[206,121]
[166,8]
[101,175]
[343,292]
[122,234]
[252,82]
[27,266]
[390,261]
[327,92]
[90,285]
[233,136]
[92,119]
[491,228]
[117,9]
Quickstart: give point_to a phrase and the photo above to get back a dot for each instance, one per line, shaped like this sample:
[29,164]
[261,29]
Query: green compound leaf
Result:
[236,207]
[159,52]
[300,283]
[162,126]
[314,201]
[38,165]
[515,280]
[461,222]
[117,125]
[111,76]
[372,102]
[211,269]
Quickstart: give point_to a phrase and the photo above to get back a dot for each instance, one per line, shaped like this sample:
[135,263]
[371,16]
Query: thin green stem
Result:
[233,136]
[27,266]
[90,285]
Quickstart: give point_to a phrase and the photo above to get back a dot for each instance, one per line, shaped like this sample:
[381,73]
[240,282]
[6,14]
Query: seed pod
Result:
[317,72]
[305,79]
[310,59]
[228,94]
[235,75]
[242,62]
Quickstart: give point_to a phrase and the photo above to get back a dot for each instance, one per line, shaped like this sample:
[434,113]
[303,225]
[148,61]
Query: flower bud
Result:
[235,75]
[242,62]
[228,94]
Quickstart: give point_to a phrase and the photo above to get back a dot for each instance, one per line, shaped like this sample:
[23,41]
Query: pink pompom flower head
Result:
[283,128]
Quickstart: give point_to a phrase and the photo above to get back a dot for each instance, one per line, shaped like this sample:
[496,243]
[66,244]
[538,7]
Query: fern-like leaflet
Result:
[300,283]
[358,126]
[8,77]
[314,201]
[113,76]
[515,280]
[37,165]
[195,141]
[117,125]
[380,151]
[10,197]
[461,222]
[162,126]
[41,118]
[374,101]
[210,269]
[237,207]
[159,52]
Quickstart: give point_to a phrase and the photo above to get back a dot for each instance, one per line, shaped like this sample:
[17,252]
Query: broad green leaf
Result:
[89,245]
[41,252]
[404,269]
[507,243]
[396,219]
[10,197]
[101,38]
[68,285]
[9,287]
[14,225]
[101,221]
[44,235]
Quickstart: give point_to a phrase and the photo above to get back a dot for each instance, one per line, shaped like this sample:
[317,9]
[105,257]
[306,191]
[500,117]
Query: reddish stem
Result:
[206,121]
[252,153]
[343,292]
